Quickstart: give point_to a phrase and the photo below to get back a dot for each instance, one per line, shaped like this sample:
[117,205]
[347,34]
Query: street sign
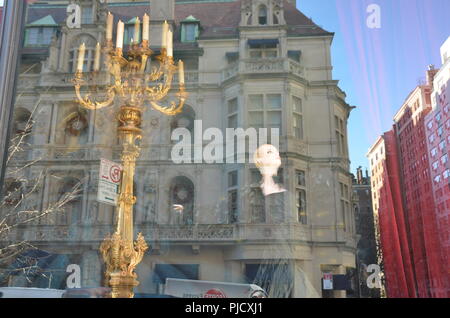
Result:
[327,281]
[109,182]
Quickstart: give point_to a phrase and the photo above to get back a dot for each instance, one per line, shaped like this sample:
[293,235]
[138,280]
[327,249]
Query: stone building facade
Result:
[254,63]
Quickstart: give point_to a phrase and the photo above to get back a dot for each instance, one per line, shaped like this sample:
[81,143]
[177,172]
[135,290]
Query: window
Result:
[264,111]
[190,29]
[431,138]
[345,205]
[433,152]
[438,117]
[39,36]
[86,15]
[263,49]
[440,131]
[232,179]
[232,113]
[442,145]
[435,165]
[232,197]
[181,194]
[263,53]
[444,159]
[298,117]
[262,15]
[295,55]
[89,56]
[340,136]
[430,124]
[301,197]
[446,174]
[233,206]
[190,32]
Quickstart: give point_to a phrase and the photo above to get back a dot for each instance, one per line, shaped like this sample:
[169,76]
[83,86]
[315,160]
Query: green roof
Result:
[191,18]
[131,21]
[45,21]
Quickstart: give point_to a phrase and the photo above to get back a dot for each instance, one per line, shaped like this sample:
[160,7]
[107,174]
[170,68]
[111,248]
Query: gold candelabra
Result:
[132,83]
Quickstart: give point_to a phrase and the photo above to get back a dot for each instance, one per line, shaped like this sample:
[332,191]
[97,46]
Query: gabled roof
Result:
[45,21]
[219,19]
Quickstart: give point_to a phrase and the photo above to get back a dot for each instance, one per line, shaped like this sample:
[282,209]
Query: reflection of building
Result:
[257,63]
[413,255]
[438,140]
[366,253]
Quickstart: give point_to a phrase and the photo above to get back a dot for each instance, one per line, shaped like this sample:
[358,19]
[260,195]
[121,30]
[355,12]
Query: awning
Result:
[180,271]
[263,42]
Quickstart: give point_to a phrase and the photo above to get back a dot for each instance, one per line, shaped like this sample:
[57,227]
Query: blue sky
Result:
[378,68]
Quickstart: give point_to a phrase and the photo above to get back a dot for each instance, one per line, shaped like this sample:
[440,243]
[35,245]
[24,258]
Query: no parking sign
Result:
[109,182]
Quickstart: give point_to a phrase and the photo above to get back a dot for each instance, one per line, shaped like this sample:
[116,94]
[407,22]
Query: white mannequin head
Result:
[267,159]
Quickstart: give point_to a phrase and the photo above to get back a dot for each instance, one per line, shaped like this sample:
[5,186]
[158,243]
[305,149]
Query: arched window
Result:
[89,56]
[22,121]
[262,15]
[22,127]
[181,201]
[13,191]
[73,127]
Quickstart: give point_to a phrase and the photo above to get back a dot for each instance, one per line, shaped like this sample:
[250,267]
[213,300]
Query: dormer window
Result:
[40,32]
[190,29]
[262,15]
[129,32]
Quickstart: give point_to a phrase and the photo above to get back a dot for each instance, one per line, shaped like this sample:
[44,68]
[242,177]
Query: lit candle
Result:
[181,72]
[137,29]
[146,28]
[165,30]
[97,58]
[169,43]
[120,29]
[109,26]
[81,52]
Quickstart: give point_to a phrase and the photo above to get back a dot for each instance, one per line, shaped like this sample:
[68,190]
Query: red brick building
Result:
[408,200]
[438,140]
[427,259]
[393,243]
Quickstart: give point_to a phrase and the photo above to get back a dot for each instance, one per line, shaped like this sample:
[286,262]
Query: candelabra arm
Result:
[86,101]
[174,108]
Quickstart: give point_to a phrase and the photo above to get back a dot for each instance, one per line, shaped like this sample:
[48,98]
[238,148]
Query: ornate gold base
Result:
[122,285]
[121,258]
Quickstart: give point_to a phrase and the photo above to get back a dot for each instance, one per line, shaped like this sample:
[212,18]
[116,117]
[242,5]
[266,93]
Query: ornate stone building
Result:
[252,63]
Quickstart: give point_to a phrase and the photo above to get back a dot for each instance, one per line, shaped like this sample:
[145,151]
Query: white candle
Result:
[165,30]
[97,57]
[146,28]
[181,72]
[81,52]
[109,26]
[169,43]
[120,29]
[137,29]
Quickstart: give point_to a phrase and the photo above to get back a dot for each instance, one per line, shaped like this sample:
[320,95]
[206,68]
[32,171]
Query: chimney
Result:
[162,10]
[431,73]
[359,175]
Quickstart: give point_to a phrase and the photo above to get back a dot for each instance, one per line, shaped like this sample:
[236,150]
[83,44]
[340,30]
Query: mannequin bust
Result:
[267,160]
